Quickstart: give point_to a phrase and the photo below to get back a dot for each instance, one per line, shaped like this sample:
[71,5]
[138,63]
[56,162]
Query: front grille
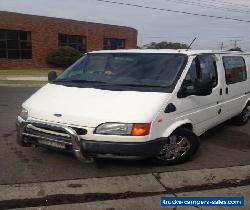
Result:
[36,130]
[64,139]
[48,127]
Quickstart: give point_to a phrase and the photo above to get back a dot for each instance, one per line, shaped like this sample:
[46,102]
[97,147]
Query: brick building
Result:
[25,40]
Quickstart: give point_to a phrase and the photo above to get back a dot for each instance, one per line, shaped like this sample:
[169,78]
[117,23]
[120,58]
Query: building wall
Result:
[44,33]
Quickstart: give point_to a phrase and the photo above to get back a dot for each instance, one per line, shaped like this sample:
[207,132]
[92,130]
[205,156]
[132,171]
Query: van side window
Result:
[202,66]
[235,69]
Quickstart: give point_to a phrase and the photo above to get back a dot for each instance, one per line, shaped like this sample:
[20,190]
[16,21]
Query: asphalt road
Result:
[223,146]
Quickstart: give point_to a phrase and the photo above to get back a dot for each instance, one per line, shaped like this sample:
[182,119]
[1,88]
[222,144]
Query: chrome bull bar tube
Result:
[75,143]
[20,127]
[75,139]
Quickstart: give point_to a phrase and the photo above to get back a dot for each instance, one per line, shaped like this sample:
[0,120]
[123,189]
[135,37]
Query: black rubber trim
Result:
[139,149]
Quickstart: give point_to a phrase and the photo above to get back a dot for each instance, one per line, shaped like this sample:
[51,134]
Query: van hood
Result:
[90,107]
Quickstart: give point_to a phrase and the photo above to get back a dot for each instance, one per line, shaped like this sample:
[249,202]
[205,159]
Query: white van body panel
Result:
[236,99]
[247,83]
[174,125]
[89,107]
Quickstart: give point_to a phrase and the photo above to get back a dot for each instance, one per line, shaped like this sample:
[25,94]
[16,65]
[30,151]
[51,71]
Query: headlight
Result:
[24,114]
[124,129]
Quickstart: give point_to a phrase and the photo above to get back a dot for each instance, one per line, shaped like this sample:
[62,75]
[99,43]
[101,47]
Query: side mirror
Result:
[52,75]
[203,87]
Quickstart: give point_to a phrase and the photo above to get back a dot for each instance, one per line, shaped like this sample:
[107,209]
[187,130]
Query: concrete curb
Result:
[38,79]
[20,85]
[184,180]
[20,77]
[112,185]
[153,202]
[167,182]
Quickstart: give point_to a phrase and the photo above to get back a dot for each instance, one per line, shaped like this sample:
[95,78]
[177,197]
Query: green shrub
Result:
[63,57]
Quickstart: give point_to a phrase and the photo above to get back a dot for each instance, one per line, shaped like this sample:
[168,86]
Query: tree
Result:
[63,57]
[165,45]
[236,49]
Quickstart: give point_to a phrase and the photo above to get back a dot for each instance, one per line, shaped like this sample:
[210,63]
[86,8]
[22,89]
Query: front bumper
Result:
[122,149]
[86,148]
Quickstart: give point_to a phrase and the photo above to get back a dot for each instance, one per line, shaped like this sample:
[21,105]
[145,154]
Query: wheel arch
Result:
[179,124]
[247,103]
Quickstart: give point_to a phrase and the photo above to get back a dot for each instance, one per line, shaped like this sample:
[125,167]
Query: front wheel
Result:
[179,147]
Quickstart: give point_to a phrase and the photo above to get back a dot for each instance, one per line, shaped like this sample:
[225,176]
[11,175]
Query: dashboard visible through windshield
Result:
[125,71]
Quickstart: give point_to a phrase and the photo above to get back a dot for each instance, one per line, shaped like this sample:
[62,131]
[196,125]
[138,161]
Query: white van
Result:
[137,103]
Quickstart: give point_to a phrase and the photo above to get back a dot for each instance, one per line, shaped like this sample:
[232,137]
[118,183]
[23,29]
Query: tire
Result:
[188,147]
[243,117]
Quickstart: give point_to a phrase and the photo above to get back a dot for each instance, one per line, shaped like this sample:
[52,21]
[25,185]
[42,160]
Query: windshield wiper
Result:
[141,85]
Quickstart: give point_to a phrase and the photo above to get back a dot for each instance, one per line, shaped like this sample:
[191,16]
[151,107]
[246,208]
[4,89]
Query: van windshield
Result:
[140,71]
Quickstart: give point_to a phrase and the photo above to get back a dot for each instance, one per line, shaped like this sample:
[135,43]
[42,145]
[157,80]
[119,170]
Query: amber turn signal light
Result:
[141,129]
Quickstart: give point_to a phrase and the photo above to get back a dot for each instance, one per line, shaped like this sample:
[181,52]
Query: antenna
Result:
[222,45]
[191,43]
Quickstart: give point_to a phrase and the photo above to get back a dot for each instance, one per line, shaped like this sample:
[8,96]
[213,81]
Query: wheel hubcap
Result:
[174,148]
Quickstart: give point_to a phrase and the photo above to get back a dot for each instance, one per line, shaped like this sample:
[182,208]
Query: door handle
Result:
[226,90]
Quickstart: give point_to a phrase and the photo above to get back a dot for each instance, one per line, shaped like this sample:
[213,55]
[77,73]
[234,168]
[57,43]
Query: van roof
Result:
[181,51]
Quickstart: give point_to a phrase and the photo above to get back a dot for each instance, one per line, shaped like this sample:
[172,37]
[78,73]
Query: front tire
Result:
[178,148]
[243,117]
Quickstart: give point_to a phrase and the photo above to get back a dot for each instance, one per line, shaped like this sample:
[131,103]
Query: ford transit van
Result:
[137,103]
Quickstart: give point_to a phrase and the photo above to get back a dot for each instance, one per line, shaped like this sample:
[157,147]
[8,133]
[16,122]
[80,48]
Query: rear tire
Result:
[243,117]
[178,148]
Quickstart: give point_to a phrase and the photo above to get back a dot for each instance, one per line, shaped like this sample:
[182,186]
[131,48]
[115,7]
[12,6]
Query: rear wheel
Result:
[243,117]
[179,147]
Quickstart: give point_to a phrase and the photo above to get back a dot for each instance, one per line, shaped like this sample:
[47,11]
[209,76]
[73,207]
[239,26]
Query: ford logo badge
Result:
[57,115]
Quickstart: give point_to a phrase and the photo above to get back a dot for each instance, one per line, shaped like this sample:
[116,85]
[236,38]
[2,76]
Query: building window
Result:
[235,68]
[113,44]
[15,44]
[75,41]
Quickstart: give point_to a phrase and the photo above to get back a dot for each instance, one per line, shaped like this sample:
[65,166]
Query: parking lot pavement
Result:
[221,147]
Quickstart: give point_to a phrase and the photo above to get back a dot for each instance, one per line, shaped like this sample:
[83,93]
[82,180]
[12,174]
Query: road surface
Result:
[223,146]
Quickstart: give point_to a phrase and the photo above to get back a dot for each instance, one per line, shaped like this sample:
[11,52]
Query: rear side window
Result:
[235,69]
